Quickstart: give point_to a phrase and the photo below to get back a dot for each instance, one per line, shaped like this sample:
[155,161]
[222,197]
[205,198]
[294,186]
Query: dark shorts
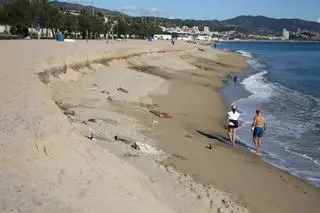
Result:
[258,132]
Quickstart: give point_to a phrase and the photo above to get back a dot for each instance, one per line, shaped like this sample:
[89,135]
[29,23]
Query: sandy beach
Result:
[78,133]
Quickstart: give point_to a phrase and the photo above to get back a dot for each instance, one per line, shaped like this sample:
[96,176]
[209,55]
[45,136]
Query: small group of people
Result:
[258,126]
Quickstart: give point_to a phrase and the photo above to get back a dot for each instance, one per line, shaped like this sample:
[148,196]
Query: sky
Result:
[215,9]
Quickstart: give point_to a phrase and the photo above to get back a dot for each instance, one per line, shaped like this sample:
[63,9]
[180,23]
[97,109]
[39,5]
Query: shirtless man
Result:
[232,124]
[259,127]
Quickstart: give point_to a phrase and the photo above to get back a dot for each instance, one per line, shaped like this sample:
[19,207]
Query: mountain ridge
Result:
[77,6]
[263,23]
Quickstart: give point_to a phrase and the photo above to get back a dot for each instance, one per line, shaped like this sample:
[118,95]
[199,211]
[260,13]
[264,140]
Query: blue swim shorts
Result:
[258,132]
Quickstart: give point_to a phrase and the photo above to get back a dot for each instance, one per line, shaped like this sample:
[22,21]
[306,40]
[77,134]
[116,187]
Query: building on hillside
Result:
[206,30]
[195,29]
[185,28]
[298,31]
[74,12]
[285,34]
[163,28]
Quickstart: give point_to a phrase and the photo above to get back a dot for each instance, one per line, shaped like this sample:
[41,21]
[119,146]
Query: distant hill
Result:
[214,25]
[75,6]
[262,23]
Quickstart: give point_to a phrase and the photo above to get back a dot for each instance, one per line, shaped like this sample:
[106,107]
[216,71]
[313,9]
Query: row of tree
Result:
[24,14]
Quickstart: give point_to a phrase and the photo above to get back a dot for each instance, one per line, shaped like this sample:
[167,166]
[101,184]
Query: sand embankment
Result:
[54,99]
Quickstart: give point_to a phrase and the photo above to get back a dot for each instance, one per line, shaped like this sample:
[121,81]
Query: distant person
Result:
[87,35]
[215,45]
[259,127]
[172,42]
[235,79]
[232,123]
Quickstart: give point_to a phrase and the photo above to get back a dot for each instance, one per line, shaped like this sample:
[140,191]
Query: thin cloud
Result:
[130,8]
[152,12]
[142,11]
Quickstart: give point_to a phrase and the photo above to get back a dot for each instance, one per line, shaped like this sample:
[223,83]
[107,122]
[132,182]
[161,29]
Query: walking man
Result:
[232,123]
[259,127]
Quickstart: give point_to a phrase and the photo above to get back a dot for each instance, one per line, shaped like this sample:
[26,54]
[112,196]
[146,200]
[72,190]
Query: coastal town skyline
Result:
[216,9]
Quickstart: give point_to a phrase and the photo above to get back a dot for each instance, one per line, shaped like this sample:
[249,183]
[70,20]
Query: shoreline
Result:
[279,176]
[245,99]
[71,149]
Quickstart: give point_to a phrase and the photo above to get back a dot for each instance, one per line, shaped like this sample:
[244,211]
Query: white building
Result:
[162,37]
[203,38]
[106,19]
[163,28]
[285,34]
[206,30]
[74,12]
[185,28]
[195,29]
[5,29]
[185,38]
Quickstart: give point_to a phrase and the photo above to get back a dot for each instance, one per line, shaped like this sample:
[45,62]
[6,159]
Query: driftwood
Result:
[160,114]
[127,140]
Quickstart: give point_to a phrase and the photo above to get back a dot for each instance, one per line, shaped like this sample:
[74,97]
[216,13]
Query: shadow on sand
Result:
[223,139]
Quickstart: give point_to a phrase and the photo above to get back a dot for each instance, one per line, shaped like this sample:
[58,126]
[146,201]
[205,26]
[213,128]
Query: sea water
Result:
[283,79]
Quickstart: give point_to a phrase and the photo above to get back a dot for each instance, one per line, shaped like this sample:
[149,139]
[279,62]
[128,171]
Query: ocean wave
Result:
[257,64]
[292,119]
[315,161]
[283,164]
[291,113]
[313,179]
[256,85]
[245,54]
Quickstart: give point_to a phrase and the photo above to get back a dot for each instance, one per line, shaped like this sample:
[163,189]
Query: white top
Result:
[233,116]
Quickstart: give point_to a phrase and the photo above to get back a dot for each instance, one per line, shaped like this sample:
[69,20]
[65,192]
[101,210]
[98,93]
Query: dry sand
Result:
[54,99]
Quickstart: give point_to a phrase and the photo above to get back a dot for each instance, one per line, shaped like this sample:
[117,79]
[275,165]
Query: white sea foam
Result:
[312,179]
[303,156]
[256,85]
[245,54]
[283,100]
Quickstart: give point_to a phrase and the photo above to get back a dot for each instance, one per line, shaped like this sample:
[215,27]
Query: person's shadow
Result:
[223,139]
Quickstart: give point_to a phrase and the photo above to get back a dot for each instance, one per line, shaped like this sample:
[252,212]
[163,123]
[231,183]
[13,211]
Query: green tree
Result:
[55,21]
[70,23]
[85,23]
[41,11]
[123,28]
[22,14]
[98,25]
[2,19]
[18,14]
